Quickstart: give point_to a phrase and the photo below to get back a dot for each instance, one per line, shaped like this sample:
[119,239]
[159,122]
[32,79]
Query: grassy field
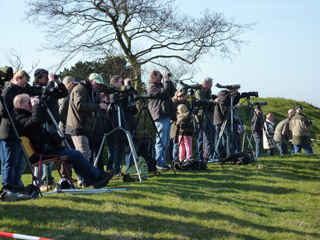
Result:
[275,198]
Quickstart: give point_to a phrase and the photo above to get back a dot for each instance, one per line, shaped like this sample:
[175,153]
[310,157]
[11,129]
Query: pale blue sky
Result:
[282,59]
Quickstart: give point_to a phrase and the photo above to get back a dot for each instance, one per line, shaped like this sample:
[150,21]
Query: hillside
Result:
[279,107]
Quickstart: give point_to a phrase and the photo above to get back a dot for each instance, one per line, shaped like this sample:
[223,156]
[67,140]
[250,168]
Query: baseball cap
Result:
[96,77]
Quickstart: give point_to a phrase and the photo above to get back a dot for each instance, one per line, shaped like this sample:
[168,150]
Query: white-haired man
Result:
[300,128]
[282,133]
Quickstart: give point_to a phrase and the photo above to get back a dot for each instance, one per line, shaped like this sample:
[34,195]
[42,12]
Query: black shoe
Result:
[101,182]
[163,168]
[106,174]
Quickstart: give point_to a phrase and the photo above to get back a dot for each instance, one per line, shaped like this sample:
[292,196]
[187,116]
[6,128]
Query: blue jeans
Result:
[283,148]
[259,146]
[307,148]
[163,127]
[86,172]
[115,151]
[175,151]
[227,140]
[209,147]
[13,163]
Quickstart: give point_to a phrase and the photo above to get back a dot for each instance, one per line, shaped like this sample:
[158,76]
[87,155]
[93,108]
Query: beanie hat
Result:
[38,73]
[299,107]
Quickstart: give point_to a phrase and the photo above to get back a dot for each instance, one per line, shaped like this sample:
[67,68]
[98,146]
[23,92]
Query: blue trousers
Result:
[163,127]
[13,163]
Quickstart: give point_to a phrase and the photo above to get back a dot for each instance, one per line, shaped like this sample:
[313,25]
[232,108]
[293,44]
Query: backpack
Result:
[10,193]
[191,165]
[146,149]
[241,158]
[131,173]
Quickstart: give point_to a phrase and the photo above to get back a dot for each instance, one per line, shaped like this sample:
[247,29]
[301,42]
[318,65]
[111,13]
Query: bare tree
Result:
[14,59]
[142,31]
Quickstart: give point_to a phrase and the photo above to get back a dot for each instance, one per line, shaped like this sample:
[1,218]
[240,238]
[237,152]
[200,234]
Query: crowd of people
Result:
[85,115]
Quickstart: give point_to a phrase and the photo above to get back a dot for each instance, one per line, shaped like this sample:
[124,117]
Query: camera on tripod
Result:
[229,87]
[6,74]
[112,89]
[186,87]
[259,103]
[41,91]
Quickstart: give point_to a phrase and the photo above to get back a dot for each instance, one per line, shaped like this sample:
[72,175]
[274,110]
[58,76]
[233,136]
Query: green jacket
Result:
[300,127]
[80,118]
[201,95]
[282,132]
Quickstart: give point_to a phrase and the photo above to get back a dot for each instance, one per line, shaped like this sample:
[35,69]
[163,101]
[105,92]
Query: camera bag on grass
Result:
[241,158]
[190,165]
[131,174]
[12,193]
[146,149]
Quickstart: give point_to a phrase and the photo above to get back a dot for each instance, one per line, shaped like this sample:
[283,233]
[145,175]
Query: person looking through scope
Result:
[119,142]
[204,94]
[82,113]
[12,161]
[222,113]
[162,111]
[44,87]
[29,120]
[257,132]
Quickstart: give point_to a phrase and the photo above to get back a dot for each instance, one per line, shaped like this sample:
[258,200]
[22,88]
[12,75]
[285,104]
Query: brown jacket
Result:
[300,127]
[80,118]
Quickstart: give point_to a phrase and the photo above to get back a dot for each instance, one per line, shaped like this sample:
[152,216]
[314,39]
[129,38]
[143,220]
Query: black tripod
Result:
[3,102]
[229,117]
[144,109]
[121,119]
[259,116]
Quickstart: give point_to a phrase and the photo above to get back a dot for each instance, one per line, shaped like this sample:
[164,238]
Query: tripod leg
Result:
[96,158]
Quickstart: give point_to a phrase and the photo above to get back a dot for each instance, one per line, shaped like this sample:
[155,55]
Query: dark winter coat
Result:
[30,125]
[161,107]
[257,126]
[222,108]
[9,93]
[52,99]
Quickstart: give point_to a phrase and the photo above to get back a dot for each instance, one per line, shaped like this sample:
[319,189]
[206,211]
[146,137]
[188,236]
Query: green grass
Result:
[275,198]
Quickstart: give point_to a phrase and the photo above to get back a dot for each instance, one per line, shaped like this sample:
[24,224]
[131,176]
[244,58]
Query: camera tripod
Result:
[230,114]
[259,116]
[121,119]
[3,102]
[144,109]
